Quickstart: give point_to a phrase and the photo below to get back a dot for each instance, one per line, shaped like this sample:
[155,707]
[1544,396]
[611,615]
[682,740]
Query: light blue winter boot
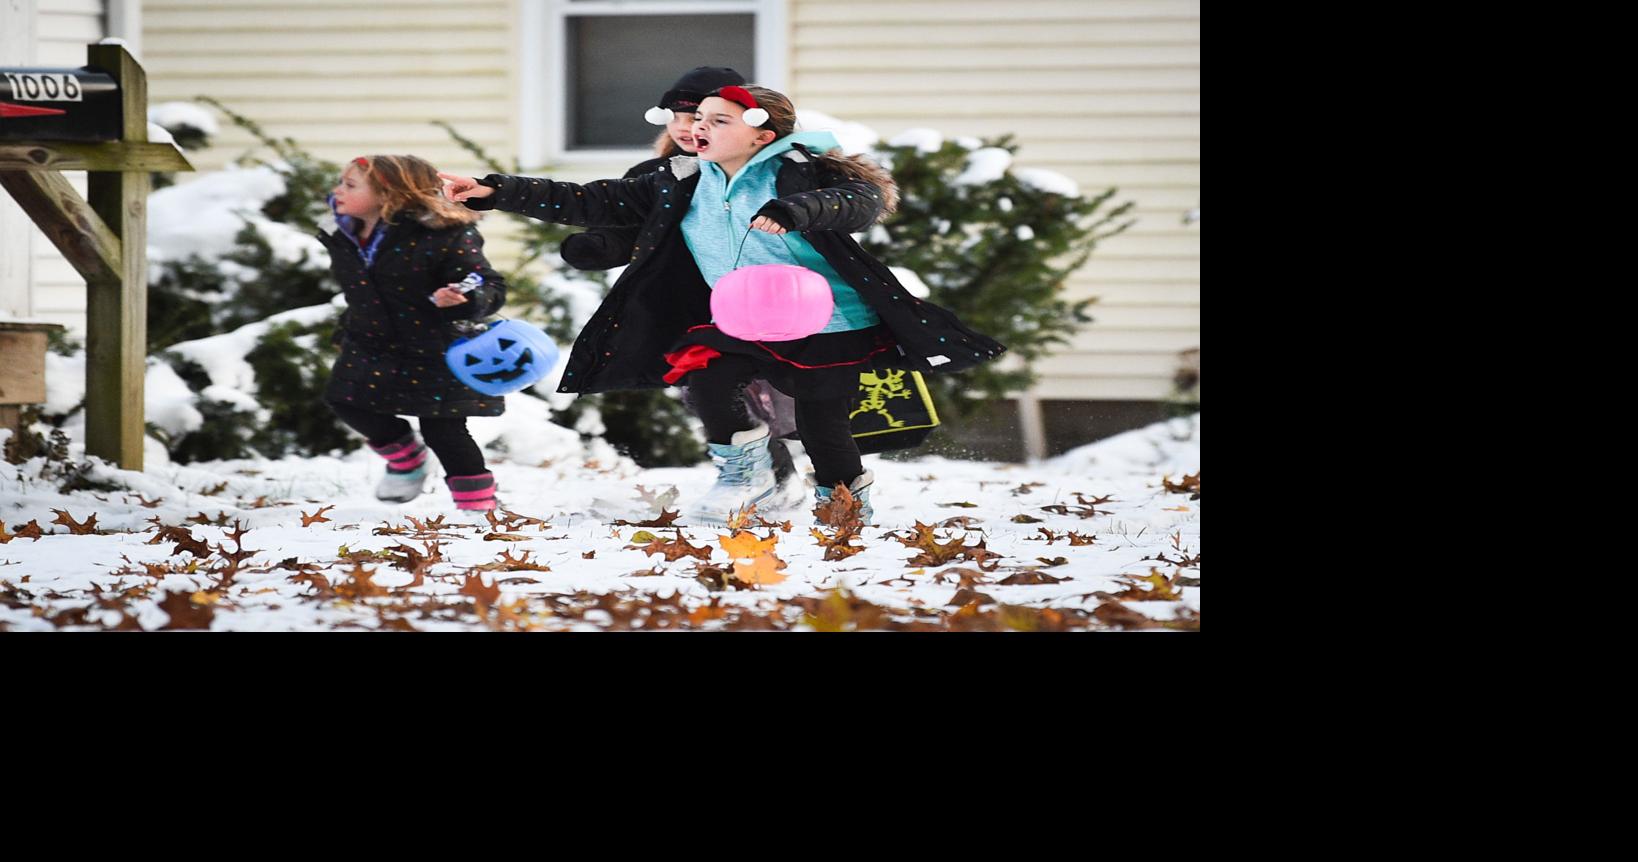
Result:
[745,476]
[403,487]
[860,487]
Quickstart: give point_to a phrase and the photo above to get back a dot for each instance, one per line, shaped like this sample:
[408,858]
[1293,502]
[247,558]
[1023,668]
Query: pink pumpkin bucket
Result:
[771,302]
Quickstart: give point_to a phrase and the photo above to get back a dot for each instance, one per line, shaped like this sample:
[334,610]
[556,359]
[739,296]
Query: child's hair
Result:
[665,147]
[410,183]
[782,121]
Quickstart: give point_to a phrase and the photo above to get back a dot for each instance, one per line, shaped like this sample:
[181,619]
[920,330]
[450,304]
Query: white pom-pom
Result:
[658,116]
[756,117]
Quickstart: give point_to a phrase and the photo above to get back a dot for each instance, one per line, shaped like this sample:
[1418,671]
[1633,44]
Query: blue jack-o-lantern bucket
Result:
[509,356]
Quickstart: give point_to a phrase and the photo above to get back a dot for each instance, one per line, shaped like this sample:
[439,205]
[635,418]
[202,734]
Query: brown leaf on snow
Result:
[936,553]
[505,537]
[838,545]
[1026,519]
[514,520]
[1187,485]
[315,580]
[31,530]
[674,550]
[967,578]
[588,555]
[185,613]
[360,584]
[1031,577]
[960,523]
[1160,589]
[841,611]
[665,519]
[508,563]
[74,527]
[485,596]
[315,518]
[782,526]
[1117,614]
[184,539]
[964,598]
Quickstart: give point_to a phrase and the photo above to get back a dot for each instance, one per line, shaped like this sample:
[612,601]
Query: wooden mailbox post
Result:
[105,240]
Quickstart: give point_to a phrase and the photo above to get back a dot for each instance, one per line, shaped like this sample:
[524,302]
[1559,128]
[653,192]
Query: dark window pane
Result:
[619,65]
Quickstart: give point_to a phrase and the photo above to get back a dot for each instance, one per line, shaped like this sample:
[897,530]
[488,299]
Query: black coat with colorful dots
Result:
[661,293]
[392,336]
[609,247]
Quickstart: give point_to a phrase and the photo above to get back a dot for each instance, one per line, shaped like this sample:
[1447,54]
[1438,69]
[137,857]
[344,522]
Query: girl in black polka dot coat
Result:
[399,251]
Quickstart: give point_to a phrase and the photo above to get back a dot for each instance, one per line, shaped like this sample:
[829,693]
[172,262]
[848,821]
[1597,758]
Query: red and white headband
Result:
[754,115]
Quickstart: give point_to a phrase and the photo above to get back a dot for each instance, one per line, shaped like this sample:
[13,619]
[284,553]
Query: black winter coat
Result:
[392,336]
[661,293]
[607,248]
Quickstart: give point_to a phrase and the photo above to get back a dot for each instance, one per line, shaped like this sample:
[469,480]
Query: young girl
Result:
[606,248]
[399,253]
[757,193]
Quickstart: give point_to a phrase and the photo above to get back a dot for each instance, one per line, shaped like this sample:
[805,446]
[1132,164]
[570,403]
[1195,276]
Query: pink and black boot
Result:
[473,492]
[406,469]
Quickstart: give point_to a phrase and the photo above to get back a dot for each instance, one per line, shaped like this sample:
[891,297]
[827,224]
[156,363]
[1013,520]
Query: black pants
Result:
[447,437]
[718,391]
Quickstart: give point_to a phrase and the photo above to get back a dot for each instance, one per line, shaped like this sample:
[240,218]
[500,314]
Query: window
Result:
[592,67]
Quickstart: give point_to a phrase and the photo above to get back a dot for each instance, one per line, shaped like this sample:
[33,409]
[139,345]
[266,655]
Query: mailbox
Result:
[59,105]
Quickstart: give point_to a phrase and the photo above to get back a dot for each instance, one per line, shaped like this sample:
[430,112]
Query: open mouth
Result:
[525,361]
[701,144]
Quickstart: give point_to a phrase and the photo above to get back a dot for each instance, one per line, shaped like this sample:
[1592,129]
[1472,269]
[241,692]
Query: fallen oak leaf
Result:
[674,550]
[1026,519]
[74,527]
[1030,577]
[839,546]
[966,598]
[967,578]
[184,613]
[484,596]
[665,518]
[315,518]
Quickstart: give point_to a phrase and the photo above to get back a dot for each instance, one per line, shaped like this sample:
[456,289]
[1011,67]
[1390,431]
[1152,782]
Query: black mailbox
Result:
[59,105]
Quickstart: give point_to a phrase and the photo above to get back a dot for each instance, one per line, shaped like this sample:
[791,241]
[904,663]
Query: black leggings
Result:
[718,396]
[446,437]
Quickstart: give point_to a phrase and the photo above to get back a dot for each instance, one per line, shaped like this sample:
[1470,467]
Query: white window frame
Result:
[543,80]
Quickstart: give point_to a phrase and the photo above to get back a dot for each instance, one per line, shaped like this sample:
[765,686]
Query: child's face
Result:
[354,196]
[720,135]
[681,129]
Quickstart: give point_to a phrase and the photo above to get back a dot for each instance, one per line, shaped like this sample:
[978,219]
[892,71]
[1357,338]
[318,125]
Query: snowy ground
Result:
[1133,564]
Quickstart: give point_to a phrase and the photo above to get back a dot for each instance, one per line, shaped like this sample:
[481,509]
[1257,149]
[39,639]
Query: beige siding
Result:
[1106,92]
[341,79]
[345,79]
